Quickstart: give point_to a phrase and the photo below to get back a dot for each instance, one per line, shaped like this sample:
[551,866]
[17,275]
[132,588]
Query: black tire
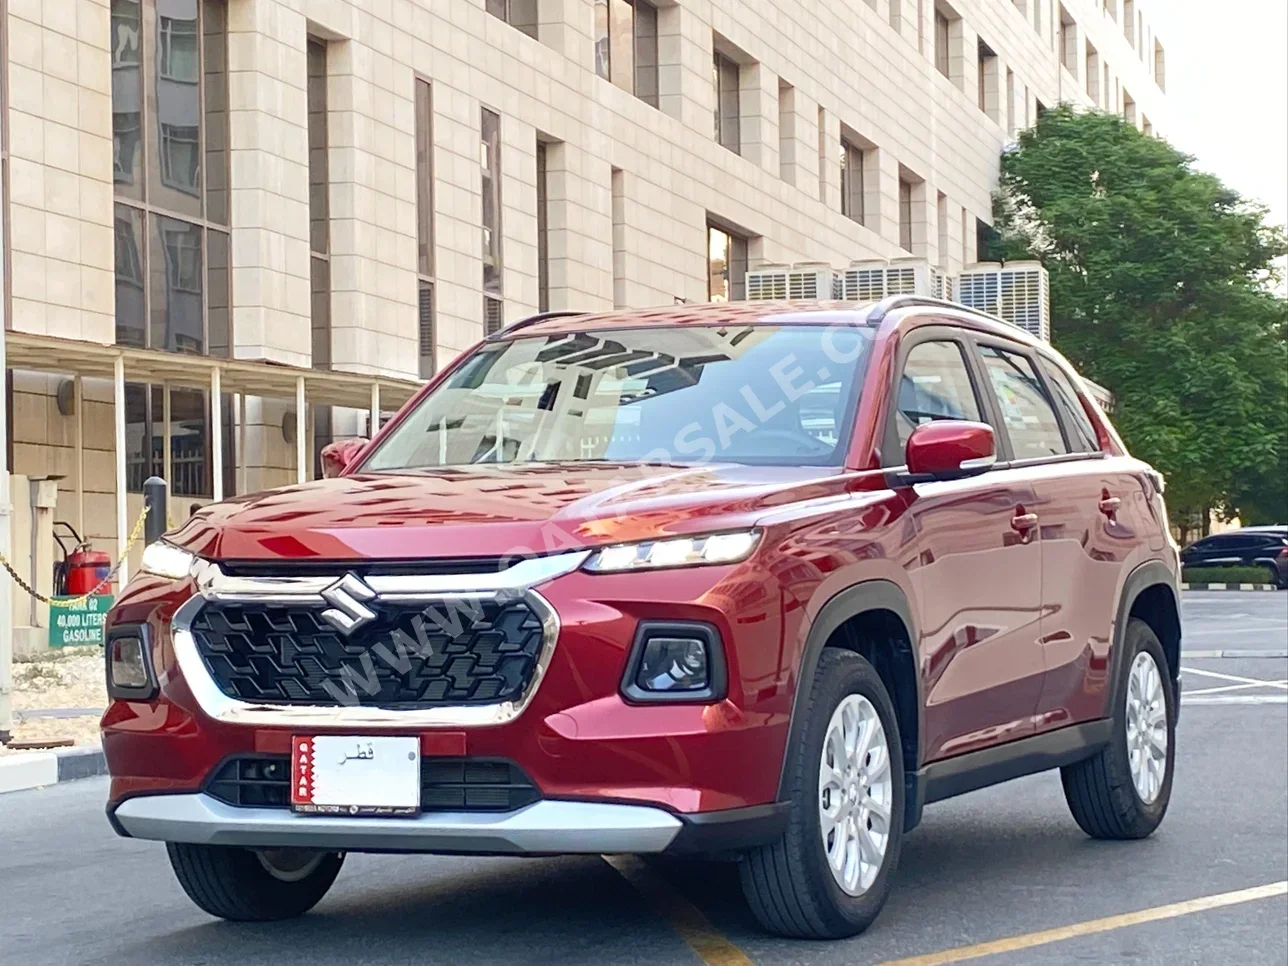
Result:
[788,884]
[234,883]
[1099,790]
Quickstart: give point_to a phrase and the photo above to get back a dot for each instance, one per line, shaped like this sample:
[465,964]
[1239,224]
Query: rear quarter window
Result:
[1082,434]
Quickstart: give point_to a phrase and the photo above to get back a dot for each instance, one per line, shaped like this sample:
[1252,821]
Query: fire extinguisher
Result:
[81,570]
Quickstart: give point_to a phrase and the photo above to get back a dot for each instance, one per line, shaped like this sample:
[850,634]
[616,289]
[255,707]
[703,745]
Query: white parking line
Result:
[1221,690]
[1256,682]
[1235,699]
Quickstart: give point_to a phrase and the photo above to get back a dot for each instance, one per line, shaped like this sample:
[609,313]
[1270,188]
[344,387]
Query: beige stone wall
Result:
[60,169]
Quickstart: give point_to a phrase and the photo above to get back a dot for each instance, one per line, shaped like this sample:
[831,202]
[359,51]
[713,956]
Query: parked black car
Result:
[1265,548]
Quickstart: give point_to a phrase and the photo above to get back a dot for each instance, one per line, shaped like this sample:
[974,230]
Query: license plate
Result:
[355,775]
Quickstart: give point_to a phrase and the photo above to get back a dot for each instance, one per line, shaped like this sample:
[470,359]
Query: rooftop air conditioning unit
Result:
[812,280]
[1017,292]
[767,283]
[916,276]
[865,281]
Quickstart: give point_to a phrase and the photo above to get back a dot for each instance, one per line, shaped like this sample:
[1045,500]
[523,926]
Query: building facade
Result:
[368,186]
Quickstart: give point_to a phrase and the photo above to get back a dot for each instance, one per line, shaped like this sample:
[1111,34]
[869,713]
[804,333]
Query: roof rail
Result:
[531,320]
[892,302]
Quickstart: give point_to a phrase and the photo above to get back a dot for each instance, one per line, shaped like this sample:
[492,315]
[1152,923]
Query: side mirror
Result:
[336,456]
[950,449]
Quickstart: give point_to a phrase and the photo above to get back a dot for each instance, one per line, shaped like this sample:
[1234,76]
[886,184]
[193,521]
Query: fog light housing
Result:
[675,662]
[129,664]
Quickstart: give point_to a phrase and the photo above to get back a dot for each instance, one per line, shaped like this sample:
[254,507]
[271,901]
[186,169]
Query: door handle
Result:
[1024,522]
[1109,504]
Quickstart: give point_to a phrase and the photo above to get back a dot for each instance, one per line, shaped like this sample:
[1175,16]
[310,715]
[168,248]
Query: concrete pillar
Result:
[372,170]
[798,138]
[684,53]
[758,120]
[268,138]
[829,159]
[883,217]
[580,226]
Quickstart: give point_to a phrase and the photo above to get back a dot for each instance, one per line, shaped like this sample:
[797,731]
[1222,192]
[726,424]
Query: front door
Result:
[974,560]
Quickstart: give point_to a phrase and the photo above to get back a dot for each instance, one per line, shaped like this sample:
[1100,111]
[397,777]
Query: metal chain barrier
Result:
[77,601]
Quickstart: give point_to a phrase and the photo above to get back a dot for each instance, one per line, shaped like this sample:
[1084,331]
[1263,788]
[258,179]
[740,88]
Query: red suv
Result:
[754,581]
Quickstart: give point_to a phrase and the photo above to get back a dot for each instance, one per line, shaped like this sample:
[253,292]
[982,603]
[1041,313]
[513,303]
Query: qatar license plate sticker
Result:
[355,775]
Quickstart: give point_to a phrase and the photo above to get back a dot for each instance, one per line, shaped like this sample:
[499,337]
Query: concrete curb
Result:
[1270,587]
[35,769]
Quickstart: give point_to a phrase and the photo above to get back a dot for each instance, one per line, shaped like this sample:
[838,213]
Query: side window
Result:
[935,385]
[1075,417]
[1029,416]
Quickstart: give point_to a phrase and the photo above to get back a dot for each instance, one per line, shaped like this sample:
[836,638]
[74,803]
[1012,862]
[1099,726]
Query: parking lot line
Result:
[1228,699]
[1029,940]
[1236,678]
[711,945]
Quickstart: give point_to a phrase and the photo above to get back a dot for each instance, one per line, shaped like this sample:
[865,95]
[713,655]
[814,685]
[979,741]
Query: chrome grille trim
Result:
[517,581]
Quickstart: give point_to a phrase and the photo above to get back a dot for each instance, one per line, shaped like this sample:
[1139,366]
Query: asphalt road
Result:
[1000,863]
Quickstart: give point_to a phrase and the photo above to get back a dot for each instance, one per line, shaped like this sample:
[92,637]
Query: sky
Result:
[1227,91]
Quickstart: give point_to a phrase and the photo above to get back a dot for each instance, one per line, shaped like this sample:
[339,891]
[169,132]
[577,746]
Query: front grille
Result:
[446,784]
[459,653]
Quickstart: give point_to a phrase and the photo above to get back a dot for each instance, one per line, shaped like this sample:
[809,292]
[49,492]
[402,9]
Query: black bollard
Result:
[154,498]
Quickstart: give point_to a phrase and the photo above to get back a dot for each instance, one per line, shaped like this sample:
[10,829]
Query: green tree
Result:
[1161,290]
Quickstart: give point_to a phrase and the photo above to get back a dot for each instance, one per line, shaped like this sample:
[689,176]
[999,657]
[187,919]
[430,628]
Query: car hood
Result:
[494,511]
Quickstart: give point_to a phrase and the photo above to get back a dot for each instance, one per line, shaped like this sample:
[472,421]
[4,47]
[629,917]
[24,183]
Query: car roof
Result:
[895,312]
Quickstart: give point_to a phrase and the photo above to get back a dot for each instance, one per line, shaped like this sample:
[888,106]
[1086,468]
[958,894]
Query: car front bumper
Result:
[542,828]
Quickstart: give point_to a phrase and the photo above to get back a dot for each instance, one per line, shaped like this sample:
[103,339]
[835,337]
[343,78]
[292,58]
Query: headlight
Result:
[166,560]
[718,548]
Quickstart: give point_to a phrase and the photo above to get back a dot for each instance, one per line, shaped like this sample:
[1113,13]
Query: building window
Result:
[941,221]
[1129,21]
[424,108]
[1010,102]
[1129,108]
[319,205]
[987,94]
[493,315]
[1068,42]
[1146,128]
[520,14]
[1160,67]
[786,131]
[822,155]
[626,46]
[943,61]
[905,214]
[543,228]
[490,163]
[724,74]
[1092,75]
[171,215]
[726,265]
[853,158]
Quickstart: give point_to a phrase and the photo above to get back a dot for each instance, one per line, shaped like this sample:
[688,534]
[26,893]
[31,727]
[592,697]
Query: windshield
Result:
[753,394]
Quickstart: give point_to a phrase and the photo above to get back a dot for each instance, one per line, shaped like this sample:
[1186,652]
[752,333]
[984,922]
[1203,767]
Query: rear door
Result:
[1090,509]
[975,570]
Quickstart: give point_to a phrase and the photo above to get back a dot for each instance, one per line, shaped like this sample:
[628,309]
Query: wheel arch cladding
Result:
[1149,594]
[873,619]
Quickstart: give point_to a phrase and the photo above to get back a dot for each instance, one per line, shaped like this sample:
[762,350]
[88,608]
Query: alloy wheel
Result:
[855,793]
[1146,727]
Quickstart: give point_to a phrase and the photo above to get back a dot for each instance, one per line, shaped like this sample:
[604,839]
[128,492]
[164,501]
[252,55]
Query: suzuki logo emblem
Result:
[348,611]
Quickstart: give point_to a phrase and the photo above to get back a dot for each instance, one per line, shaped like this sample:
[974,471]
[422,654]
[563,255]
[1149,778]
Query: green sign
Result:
[81,624]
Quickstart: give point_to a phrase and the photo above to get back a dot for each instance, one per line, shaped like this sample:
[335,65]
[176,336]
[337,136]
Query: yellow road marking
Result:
[711,945]
[1029,940]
